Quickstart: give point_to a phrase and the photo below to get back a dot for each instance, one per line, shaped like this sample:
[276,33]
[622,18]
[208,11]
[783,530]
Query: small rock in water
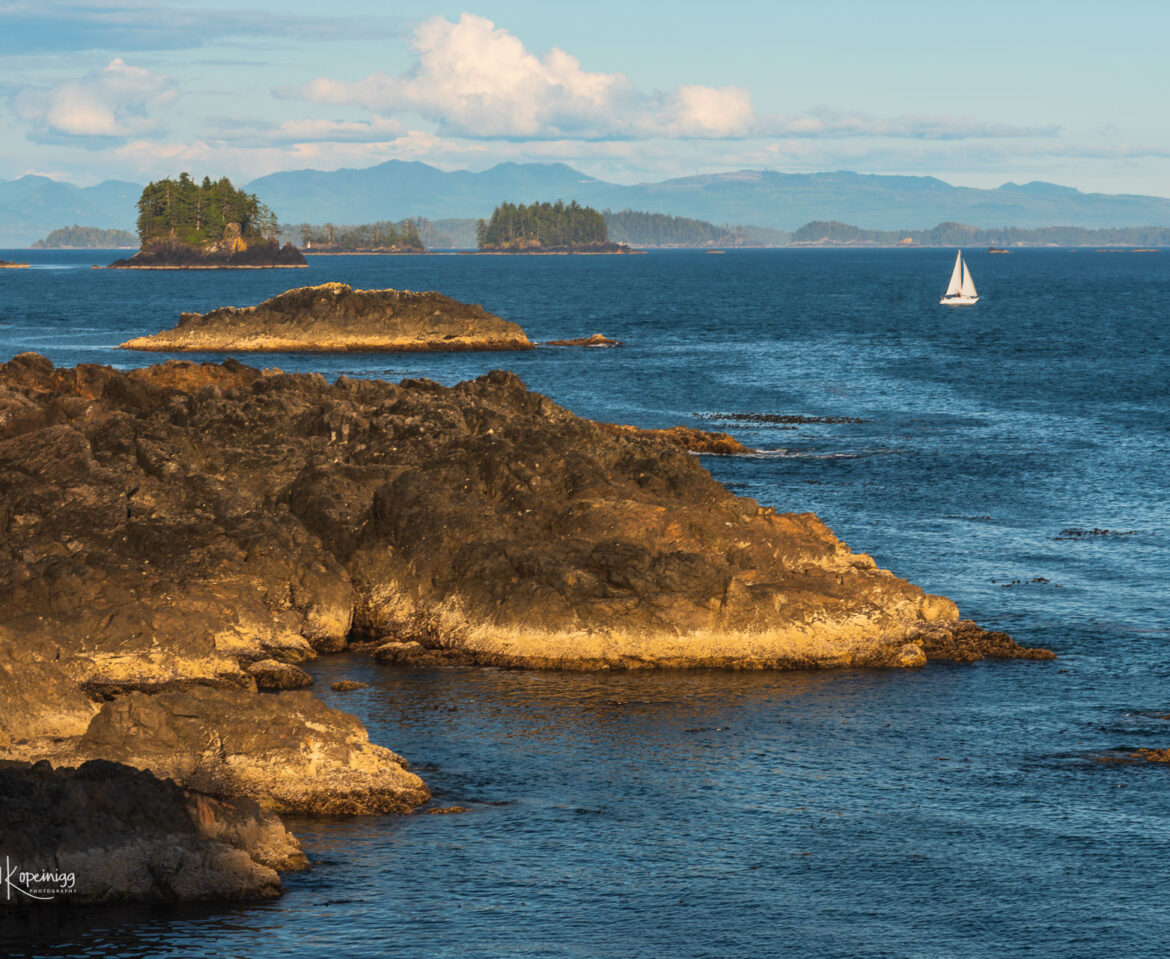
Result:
[596,340]
[271,674]
[345,685]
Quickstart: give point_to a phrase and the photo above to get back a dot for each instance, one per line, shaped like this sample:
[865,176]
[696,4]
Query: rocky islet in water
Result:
[333,317]
[175,535]
[172,254]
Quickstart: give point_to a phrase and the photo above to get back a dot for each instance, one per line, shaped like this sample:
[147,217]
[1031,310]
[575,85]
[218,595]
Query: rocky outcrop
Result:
[288,751]
[9,265]
[106,832]
[173,254]
[168,526]
[335,318]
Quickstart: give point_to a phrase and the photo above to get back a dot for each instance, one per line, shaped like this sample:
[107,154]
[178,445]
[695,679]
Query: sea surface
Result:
[952,811]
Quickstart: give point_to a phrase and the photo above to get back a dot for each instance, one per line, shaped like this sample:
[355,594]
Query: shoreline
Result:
[296,346]
[217,266]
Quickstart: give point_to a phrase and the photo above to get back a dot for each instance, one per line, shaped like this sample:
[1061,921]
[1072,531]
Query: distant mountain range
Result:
[781,201]
[32,206]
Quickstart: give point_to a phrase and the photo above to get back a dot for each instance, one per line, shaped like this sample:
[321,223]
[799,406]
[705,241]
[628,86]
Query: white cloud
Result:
[826,123]
[476,80]
[112,103]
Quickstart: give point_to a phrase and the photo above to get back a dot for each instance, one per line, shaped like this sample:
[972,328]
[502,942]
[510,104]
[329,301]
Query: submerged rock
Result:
[168,526]
[597,340]
[347,685]
[106,832]
[334,317]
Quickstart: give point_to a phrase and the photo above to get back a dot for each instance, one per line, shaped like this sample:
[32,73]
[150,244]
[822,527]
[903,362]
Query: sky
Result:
[976,94]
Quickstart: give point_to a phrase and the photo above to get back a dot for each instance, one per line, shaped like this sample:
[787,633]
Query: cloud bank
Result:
[113,103]
[475,80]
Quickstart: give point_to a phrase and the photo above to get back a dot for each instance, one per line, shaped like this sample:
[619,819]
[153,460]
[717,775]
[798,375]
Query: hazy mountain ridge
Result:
[32,206]
[780,201]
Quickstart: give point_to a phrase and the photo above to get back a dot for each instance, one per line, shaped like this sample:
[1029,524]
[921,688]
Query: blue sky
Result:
[976,94]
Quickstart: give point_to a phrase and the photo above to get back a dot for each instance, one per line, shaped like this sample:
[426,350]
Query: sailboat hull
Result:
[959,300]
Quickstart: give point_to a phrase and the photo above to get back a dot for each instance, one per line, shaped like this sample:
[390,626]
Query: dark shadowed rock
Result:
[108,832]
[335,318]
[167,253]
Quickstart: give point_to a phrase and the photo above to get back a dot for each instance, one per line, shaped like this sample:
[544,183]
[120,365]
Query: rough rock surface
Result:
[166,525]
[288,751]
[347,685]
[1154,755]
[37,699]
[109,832]
[335,318]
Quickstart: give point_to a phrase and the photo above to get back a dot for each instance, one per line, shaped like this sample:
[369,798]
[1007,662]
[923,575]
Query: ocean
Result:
[1011,455]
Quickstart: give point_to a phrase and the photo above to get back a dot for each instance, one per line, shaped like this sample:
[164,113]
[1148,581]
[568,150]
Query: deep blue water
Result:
[950,811]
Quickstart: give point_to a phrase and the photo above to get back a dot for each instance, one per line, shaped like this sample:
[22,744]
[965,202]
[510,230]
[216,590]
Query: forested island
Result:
[832,233]
[87,238]
[384,236]
[546,228]
[449,234]
[640,229]
[187,225]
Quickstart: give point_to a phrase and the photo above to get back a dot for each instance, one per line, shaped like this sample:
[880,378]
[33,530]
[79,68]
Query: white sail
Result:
[968,287]
[956,277]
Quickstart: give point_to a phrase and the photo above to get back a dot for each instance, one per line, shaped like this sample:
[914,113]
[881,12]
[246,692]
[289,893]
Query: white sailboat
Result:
[961,290]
